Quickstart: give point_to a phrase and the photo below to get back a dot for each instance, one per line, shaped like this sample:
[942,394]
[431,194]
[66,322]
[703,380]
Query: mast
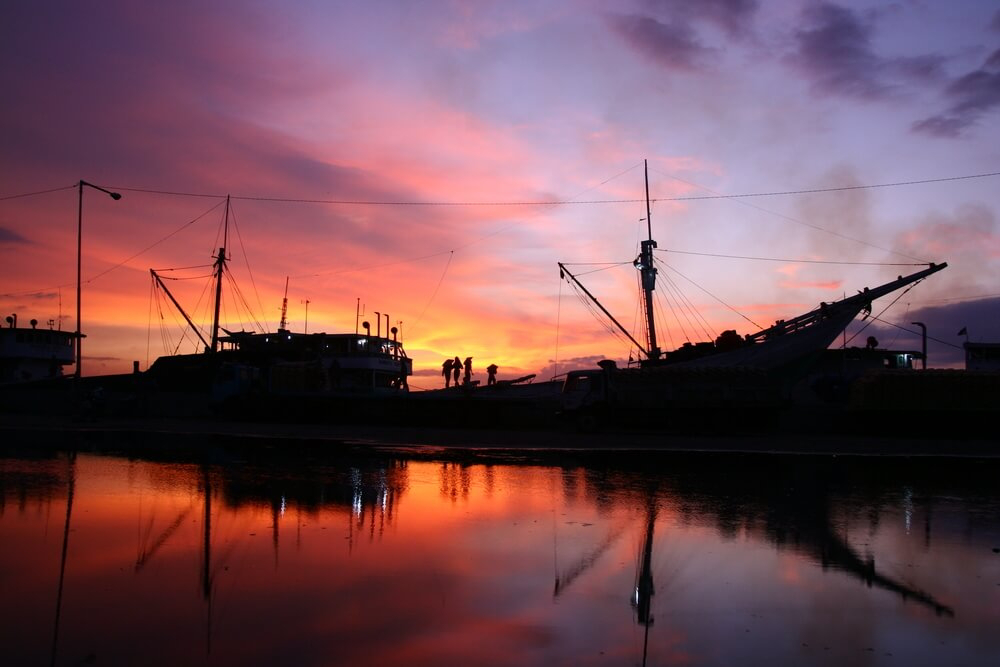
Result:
[220,267]
[644,262]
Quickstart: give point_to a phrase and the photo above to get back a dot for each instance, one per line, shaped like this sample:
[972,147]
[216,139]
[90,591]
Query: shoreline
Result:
[155,434]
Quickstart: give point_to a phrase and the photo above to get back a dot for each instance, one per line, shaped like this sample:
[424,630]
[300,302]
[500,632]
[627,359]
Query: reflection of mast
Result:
[206,573]
[71,484]
[644,590]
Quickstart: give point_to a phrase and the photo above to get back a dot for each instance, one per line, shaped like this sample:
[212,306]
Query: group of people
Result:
[452,368]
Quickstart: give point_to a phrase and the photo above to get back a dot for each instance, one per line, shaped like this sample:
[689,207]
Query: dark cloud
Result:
[9,236]
[667,33]
[91,82]
[674,45]
[835,51]
[565,365]
[980,318]
[971,95]
[733,16]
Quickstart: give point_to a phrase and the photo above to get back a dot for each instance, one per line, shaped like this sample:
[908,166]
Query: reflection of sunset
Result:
[396,562]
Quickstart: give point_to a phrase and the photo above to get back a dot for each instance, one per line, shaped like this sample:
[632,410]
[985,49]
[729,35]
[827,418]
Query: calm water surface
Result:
[383,559]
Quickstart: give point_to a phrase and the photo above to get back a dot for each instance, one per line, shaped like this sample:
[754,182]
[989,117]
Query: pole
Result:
[220,265]
[79,287]
[648,272]
[923,340]
[79,268]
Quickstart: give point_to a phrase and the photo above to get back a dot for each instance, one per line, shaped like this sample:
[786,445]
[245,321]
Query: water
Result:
[369,558]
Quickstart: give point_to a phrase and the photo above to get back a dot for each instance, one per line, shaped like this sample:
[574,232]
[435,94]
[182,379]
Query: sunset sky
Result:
[437,159]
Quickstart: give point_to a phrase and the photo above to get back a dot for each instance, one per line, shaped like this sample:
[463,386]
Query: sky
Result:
[434,161]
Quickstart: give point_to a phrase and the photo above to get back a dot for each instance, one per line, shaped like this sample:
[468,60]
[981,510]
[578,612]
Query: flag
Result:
[963,332]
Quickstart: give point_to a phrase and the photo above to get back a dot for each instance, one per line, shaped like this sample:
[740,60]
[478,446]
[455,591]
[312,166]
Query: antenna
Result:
[307,314]
[284,309]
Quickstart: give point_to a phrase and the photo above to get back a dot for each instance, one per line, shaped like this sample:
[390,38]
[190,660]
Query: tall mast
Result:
[220,267]
[644,262]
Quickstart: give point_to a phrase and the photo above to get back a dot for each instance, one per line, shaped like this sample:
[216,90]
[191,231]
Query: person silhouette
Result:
[491,374]
[468,370]
[446,372]
[456,368]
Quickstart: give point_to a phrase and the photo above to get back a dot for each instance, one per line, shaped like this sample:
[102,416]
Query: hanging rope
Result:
[451,254]
[872,319]
[555,362]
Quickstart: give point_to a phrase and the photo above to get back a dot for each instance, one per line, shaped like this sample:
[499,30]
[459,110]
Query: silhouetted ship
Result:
[279,373]
[732,382]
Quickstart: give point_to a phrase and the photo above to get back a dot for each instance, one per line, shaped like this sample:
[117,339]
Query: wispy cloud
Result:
[972,96]
[674,45]
[835,51]
[735,17]
[10,236]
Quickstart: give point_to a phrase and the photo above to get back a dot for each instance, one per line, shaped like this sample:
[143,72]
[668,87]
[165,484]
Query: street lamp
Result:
[79,264]
[923,339]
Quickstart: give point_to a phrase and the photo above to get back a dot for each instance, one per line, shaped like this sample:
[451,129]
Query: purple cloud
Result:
[673,45]
[836,52]
[9,236]
[972,95]
[733,16]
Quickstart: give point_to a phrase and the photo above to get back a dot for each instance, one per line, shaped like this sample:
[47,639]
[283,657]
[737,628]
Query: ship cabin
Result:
[321,362]
[34,354]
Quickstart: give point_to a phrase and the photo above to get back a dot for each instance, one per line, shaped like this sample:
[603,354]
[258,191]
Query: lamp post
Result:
[923,340]
[79,264]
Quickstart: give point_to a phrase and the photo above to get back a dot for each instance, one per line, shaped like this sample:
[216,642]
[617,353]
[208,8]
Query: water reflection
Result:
[364,558]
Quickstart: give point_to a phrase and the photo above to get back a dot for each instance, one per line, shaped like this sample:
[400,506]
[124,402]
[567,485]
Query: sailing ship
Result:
[752,374]
[239,364]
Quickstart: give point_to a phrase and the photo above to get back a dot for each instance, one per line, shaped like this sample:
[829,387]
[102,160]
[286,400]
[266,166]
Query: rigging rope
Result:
[40,192]
[713,296]
[872,319]
[246,261]
[796,261]
[451,255]
[916,333]
[555,362]
[716,195]
[560,202]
